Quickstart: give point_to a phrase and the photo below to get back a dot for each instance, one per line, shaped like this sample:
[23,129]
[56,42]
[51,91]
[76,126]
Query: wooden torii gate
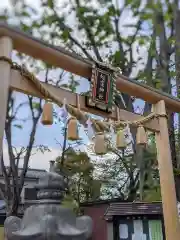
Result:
[11,38]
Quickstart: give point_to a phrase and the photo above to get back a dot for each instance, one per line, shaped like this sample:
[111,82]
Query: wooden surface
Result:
[73,63]
[168,193]
[5,71]
[21,84]
[56,56]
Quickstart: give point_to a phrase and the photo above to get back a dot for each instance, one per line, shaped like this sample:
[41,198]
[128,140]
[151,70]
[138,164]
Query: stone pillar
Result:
[51,165]
[48,219]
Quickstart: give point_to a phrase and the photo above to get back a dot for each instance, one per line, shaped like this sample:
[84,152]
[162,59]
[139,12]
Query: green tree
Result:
[100,28]
[16,121]
[13,178]
[79,169]
[163,66]
[148,49]
[126,179]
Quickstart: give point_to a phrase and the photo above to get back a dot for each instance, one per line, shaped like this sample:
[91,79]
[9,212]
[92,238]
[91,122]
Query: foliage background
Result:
[142,38]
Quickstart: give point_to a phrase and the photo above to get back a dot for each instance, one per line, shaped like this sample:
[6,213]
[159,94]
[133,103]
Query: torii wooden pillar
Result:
[168,193]
[10,79]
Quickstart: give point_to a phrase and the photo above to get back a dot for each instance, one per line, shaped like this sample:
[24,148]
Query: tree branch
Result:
[6,181]
[90,36]
[131,61]
[119,41]
[35,120]
[8,123]
[31,141]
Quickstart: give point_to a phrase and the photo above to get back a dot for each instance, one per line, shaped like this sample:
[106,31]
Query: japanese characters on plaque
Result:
[102,90]
[101,87]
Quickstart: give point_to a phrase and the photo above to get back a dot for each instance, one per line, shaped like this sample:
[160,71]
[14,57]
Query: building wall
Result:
[147,228]
[99,223]
[111,222]
[29,183]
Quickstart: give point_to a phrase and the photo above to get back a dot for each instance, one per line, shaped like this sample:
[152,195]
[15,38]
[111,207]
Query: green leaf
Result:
[141,41]
[36,105]
[172,74]
[158,84]
[82,10]
[146,16]
[18,126]
[3,17]
[168,16]
[153,195]
[25,28]
[112,10]
[128,2]
[171,40]
[65,85]
[70,203]
[65,35]
[135,4]
[25,14]
[51,4]
[49,20]
[36,25]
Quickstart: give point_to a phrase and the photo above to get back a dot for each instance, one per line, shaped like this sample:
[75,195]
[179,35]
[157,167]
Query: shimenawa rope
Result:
[99,126]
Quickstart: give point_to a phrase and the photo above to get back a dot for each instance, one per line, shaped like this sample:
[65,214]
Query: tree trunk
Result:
[12,210]
[173,153]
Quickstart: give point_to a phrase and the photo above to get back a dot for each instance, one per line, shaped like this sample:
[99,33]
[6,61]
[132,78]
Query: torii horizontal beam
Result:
[21,84]
[71,62]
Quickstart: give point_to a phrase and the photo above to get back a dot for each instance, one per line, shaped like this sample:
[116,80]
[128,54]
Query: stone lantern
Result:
[48,219]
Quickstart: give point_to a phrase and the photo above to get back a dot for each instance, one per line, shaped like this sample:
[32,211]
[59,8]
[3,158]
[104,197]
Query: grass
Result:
[1,233]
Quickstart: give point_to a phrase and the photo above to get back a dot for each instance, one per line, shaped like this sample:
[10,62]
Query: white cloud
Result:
[7,3]
[4,3]
[38,160]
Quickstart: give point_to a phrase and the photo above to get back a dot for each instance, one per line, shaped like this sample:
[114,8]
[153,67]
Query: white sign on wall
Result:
[123,230]
[138,230]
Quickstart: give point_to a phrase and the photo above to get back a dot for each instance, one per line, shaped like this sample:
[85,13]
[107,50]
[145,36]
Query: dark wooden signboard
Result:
[101,87]
[102,90]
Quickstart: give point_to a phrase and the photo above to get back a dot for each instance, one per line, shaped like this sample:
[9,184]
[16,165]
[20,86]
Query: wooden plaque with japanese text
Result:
[101,87]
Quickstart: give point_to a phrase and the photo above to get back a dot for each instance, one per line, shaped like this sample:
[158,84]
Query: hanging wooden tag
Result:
[141,136]
[100,145]
[47,114]
[120,140]
[72,129]
[120,137]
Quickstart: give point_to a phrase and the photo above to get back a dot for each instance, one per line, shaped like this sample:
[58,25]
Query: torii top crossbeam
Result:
[71,62]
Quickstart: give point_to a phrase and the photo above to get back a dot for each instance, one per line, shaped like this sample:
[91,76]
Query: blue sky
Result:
[44,135]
